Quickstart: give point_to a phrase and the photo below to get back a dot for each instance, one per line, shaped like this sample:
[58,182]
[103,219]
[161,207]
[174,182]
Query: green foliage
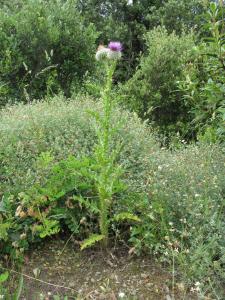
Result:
[90,165]
[177,196]
[185,216]
[47,228]
[177,15]
[152,91]
[179,83]
[45,47]
[4,276]
[47,152]
[94,181]
[64,128]
[204,84]
[4,291]
[119,20]
[94,238]
[126,216]
[108,174]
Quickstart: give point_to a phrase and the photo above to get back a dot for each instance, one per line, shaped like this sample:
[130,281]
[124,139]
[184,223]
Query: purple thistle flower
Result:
[115,46]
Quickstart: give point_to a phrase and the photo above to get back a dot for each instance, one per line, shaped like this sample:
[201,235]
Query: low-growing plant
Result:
[184,220]
[4,292]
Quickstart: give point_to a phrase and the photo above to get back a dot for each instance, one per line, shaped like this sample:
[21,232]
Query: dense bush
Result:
[178,15]
[152,91]
[179,82]
[35,137]
[128,21]
[204,83]
[185,218]
[45,47]
[63,128]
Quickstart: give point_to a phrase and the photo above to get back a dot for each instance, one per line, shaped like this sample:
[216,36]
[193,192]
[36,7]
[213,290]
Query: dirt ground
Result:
[94,274]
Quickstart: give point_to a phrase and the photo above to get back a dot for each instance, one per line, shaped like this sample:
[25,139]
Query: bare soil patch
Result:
[94,274]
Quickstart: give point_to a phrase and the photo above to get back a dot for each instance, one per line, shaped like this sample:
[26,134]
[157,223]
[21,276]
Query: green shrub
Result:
[204,83]
[41,155]
[185,217]
[152,91]
[119,20]
[45,47]
[177,15]
[62,128]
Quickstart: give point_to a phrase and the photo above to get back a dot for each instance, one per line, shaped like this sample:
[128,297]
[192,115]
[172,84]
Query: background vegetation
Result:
[45,47]
[168,125]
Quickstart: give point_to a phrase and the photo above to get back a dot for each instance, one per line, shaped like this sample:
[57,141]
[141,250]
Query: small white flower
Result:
[121,294]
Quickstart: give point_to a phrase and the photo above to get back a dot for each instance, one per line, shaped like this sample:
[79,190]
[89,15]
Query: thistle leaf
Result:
[91,240]
[126,216]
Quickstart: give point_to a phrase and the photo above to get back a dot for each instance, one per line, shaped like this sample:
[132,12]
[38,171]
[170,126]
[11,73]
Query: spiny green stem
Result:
[103,155]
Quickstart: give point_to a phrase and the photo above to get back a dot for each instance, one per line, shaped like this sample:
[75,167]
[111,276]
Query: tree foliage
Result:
[128,22]
[45,47]
[152,91]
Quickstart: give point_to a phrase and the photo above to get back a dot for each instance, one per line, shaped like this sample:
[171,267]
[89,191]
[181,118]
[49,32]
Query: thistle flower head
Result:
[115,46]
[112,52]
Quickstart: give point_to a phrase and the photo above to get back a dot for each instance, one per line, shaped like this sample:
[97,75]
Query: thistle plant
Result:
[107,173]
[105,157]
[95,181]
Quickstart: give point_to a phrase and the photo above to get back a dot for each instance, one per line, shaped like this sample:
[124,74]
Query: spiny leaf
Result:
[126,216]
[91,205]
[91,240]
